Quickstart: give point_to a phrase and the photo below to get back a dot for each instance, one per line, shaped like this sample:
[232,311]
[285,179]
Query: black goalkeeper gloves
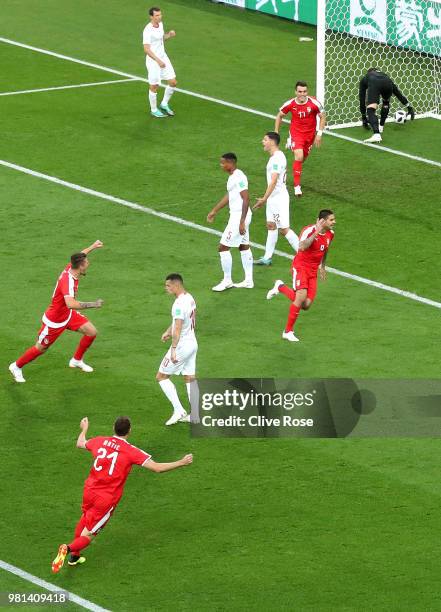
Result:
[411,112]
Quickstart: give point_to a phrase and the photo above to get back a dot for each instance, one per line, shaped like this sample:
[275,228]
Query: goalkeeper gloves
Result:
[365,122]
[411,112]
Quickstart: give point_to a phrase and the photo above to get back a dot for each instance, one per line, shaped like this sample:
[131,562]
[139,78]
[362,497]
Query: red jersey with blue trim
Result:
[303,116]
[312,257]
[114,458]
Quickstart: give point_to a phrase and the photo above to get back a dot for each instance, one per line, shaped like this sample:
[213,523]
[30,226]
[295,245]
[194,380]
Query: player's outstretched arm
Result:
[74,304]
[221,204]
[84,425]
[278,121]
[96,245]
[166,467]
[261,201]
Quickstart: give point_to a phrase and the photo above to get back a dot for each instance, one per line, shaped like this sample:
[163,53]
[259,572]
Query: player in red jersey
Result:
[303,131]
[315,241]
[62,314]
[103,489]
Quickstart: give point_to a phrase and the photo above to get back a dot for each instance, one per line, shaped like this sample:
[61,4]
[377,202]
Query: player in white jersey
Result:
[276,198]
[236,233]
[181,356]
[159,67]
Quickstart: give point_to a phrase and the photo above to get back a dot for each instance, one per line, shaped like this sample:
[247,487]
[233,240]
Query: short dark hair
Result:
[122,426]
[175,277]
[230,157]
[154,9]
[372,70]
[77,259]
[273,136]
[325,213]
[301,84]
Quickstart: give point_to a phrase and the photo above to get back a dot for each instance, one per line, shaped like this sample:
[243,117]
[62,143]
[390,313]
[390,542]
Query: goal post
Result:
[399,37]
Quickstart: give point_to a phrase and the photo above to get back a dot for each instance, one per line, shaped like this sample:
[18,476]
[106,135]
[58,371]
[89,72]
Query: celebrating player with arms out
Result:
[103,489]
[236,233]
[276,198]
[181,356]
[303,131]
[62,314]
[313,248]
[159,67]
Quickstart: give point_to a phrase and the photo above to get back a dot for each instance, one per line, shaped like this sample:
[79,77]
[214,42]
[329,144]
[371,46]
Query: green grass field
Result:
[253,524]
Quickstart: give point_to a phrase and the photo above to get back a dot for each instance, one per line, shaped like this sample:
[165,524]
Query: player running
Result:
[62,314]
[236,233]
[313,248]
[376,84]
[276,198]
[181,356]
[159,67]
[303,132]
[103,489]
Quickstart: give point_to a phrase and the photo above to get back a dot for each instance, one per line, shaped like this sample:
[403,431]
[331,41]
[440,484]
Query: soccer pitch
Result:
[252,524]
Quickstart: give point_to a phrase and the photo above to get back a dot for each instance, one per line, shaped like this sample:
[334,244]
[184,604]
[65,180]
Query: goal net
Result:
[399,37]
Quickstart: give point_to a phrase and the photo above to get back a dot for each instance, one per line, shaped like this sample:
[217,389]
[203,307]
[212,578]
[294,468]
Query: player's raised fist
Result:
[321,225]
[84,424]
[97,244]
[172,33]
[187,459]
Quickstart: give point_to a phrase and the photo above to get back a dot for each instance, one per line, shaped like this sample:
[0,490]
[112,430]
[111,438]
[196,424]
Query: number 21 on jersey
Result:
[102,454]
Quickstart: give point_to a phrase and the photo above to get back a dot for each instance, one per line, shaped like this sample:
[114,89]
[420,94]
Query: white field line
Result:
[84,603]
[207,230]
[215,100]
[28,91]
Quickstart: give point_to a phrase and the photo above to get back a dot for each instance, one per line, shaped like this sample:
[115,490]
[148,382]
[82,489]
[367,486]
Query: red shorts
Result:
[97,510]
[47,335]
[305,278]
[302,141]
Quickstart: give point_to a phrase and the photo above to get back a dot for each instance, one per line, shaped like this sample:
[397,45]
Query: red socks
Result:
[292,317]
[84,344]
[297,172]
[29,355]
[290,293]
[78,530]
[78,544]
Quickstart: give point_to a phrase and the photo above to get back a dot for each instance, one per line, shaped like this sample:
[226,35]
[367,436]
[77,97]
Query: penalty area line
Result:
[209,230]
[93,84]
[219,101]
[53,588]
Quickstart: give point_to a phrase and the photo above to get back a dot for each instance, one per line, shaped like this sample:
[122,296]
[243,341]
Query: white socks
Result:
[170,391]
[226,263]
[293,239]
[153,102]
[169,91]
[271,241]
[247,263]
[193,398]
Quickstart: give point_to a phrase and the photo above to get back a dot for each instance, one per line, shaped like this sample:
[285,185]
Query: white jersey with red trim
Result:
[184,308]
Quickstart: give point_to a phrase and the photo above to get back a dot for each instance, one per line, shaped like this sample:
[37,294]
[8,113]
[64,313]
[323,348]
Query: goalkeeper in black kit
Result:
[378,84]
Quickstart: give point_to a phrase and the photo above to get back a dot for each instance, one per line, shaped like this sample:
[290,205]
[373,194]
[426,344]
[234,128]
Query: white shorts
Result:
[277,210]
[231,236]
[155,74]
[186,355]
